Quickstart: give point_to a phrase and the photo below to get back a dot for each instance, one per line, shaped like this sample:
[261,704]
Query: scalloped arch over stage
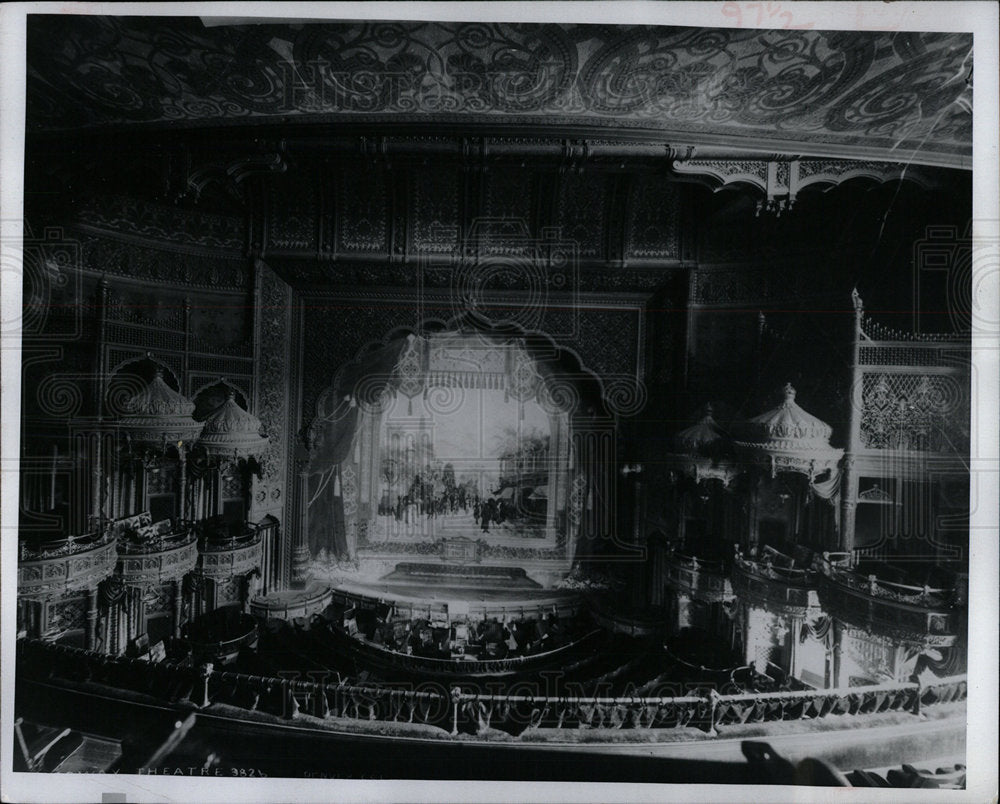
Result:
[594,397]
[884,95]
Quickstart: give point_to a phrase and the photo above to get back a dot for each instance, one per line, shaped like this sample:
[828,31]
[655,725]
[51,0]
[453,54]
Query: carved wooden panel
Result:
[362,210]
[292,214]
[220,327]
[582,211]
[507,219]
[910,411]
[273,380]
[168,226]
[653,225]
[67,613]
[607,340]
[435,209]
[103,254]
[157,309]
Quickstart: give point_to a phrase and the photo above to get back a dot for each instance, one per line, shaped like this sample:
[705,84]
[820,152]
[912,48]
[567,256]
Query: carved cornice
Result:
[163,226]
[158,263]
[779,181]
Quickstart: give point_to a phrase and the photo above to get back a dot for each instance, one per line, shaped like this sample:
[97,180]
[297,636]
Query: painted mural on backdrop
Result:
[478,465]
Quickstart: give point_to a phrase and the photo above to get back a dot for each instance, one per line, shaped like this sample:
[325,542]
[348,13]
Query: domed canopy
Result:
[702,451]
[157,415]
[789,438]
[230,431]
[703,437]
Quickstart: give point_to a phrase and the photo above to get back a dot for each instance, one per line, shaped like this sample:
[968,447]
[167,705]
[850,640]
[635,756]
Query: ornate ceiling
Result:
[871,95]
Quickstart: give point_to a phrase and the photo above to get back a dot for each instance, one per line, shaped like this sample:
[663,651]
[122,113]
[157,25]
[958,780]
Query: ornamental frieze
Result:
[629,77]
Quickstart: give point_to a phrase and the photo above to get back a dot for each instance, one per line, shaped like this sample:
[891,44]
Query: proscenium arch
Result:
[592,420]
[540,346]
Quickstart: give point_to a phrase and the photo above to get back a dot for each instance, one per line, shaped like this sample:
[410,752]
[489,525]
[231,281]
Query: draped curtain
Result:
[358,390]
[828,489]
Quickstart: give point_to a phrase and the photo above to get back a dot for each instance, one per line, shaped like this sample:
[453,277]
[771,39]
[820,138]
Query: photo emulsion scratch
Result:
[518,402]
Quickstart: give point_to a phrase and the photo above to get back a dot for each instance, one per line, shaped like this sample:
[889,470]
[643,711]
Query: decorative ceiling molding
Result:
[870,94]
[780,181]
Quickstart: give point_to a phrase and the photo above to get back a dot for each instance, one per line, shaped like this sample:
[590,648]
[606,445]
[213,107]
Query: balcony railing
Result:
[470,712]
[773,586]
[699,578]
[287,607]
[164,558]
[920,615]
[225,557]
[65,566]
[222,641]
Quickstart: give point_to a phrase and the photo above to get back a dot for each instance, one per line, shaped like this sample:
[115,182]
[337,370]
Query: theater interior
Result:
[439,400]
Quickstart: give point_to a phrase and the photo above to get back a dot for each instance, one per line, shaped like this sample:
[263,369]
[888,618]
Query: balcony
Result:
[918,615]
[66,565]
[699,578]
[779,589]
[221,559]
[167,557]
[219,636]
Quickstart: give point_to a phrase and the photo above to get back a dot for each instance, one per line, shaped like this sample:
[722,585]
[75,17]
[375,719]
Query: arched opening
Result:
[463,444]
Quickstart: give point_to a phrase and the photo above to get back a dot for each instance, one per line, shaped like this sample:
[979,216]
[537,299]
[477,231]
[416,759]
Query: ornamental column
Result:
[182,480]
[300,534]
[178,607]
[849,487]
[97,468]
[838,637]
[91,619]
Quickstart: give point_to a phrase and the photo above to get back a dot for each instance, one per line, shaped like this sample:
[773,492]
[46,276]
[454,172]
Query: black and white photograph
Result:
[581,401]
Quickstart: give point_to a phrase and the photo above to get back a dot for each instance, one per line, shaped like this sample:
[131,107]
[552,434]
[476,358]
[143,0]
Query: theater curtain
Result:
[828,489]
[359,387]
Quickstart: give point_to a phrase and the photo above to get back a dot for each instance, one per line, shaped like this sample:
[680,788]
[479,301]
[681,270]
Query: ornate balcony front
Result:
[221,559]
[68,565]
[221,635]
[920,616]
[781,590]
[166,558]
[698,578]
